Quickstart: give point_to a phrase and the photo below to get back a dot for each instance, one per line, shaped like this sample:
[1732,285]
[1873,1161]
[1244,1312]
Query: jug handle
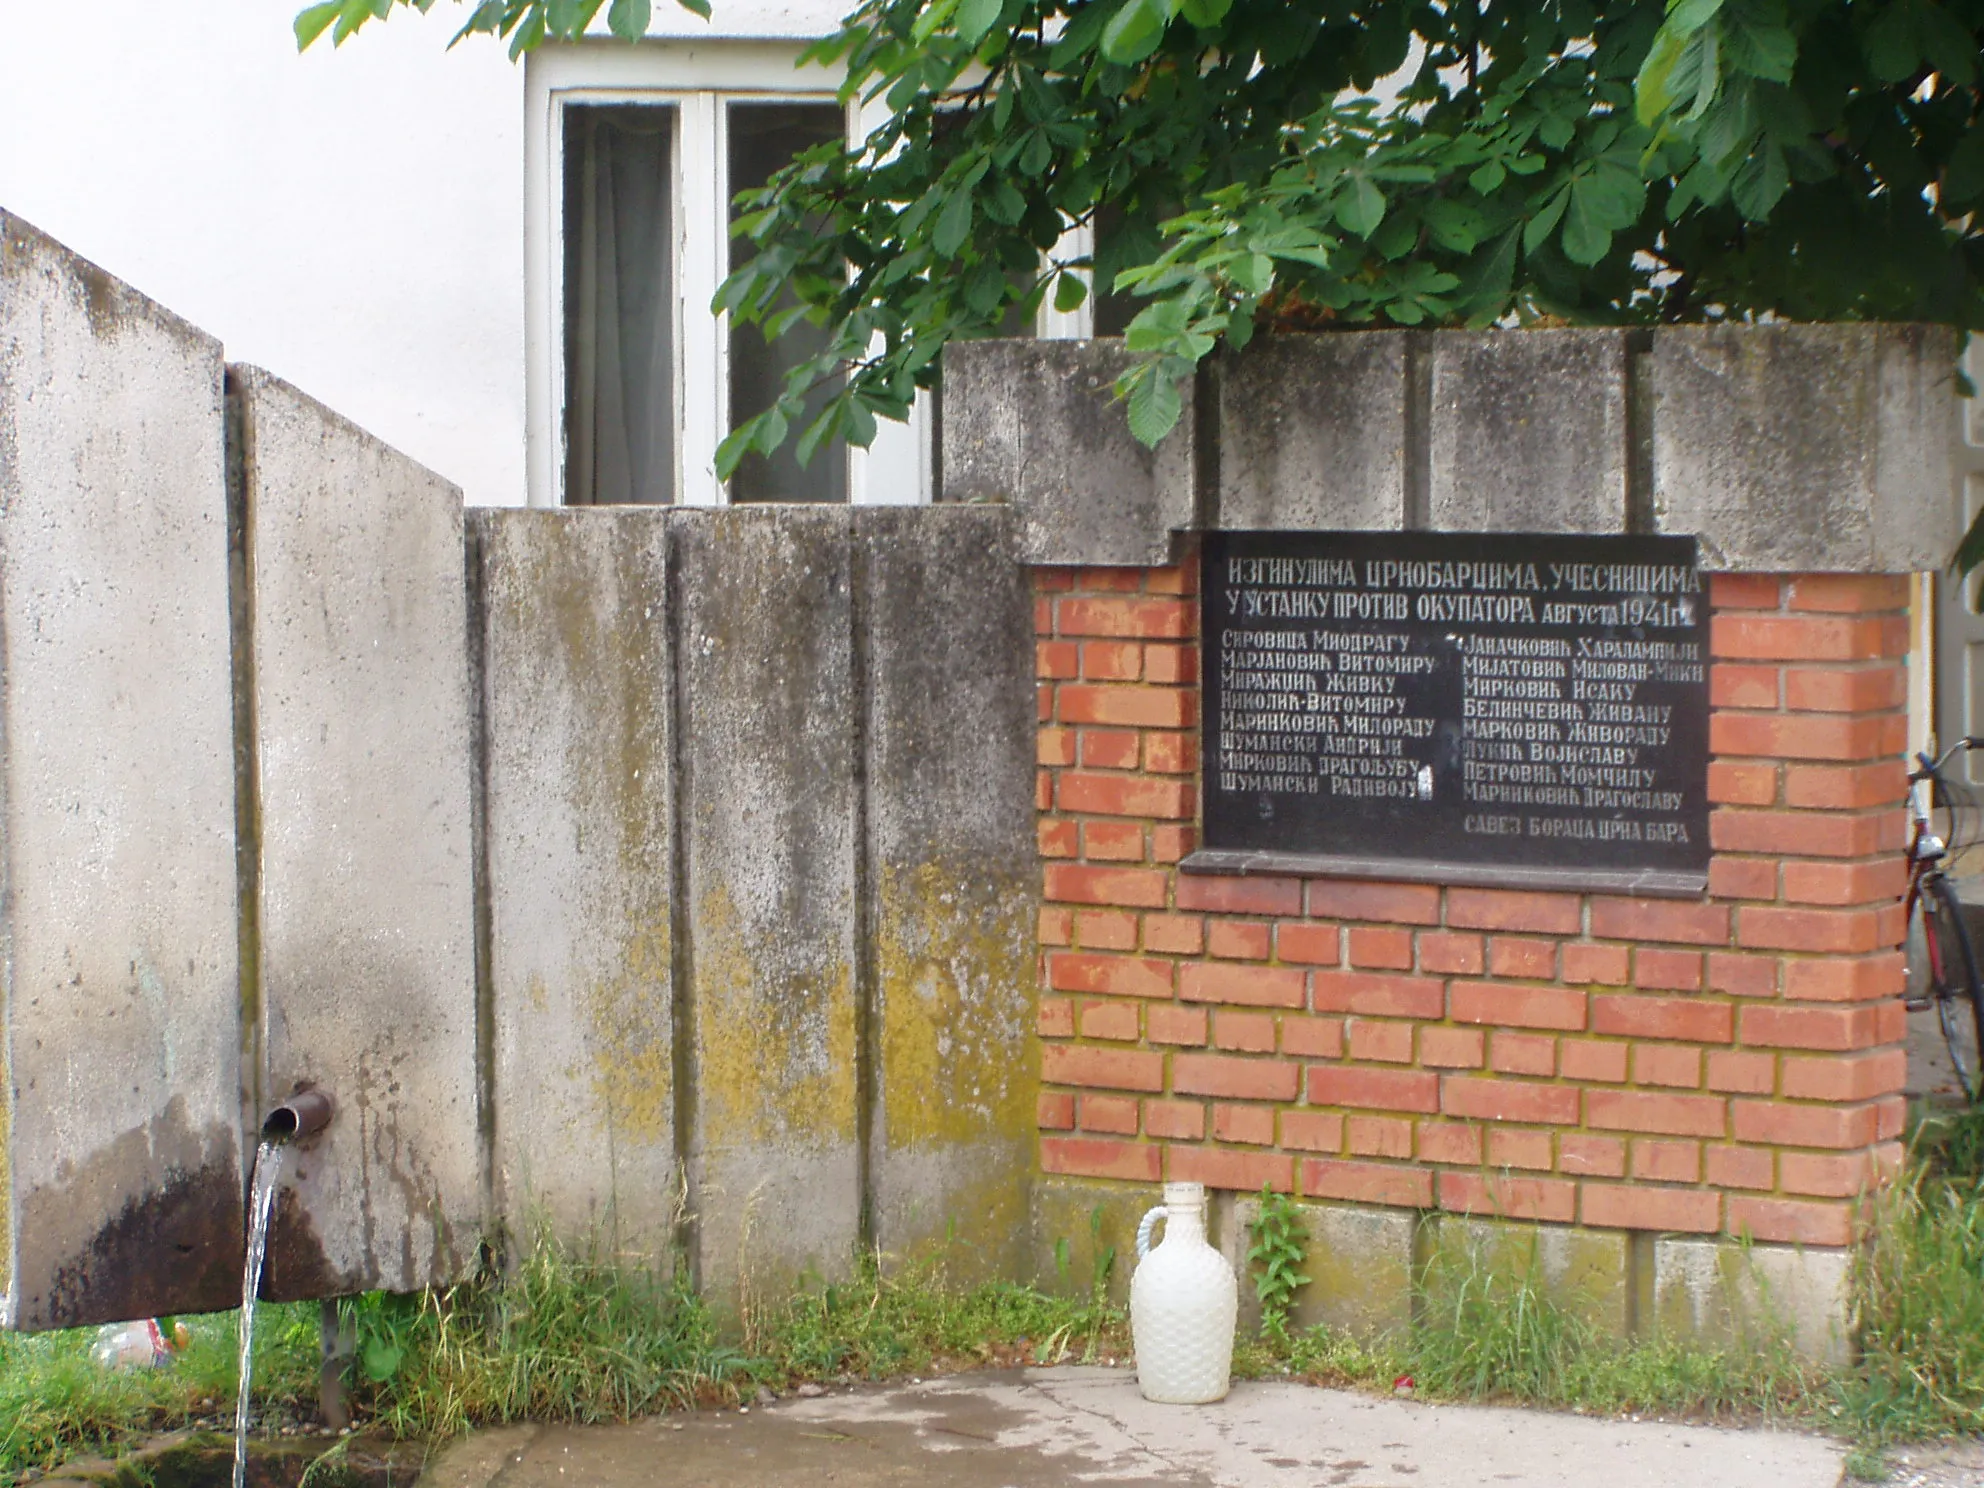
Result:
[1143,1230]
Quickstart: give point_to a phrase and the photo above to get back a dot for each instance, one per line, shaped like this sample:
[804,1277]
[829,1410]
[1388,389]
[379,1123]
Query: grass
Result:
[55,1403]
[571,1335]
[1489,1331]
[568,1335]
[1919,1292]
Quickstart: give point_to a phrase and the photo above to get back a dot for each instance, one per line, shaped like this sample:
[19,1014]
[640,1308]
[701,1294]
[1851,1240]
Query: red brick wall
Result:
[1728,1064]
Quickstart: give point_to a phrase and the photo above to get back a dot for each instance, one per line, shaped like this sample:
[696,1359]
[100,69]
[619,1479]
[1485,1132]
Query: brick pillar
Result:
[1724,1065]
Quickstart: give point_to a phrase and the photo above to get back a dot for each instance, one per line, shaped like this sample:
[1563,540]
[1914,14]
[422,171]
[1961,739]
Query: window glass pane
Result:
[619,304]
[764,137]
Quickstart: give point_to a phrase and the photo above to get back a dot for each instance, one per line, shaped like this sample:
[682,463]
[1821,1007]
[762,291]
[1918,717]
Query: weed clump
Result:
[1919,1291]
[1487,1327]
[571,1335]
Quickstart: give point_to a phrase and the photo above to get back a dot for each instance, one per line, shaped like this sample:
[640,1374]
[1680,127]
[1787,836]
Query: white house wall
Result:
[351,220]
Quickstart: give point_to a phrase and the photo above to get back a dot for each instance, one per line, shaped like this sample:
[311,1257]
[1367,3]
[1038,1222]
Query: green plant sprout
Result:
[1280,1246]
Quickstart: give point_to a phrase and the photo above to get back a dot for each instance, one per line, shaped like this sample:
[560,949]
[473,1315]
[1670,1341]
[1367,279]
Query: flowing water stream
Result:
[261,1207]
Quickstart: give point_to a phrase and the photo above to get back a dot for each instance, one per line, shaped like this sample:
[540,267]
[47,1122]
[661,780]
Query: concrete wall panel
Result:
[1716,1293]
[358,628]
[946,630]
[1312,434]
[1806,448]
[576,676]
[1528,431]
[1034,423]
[767,712]
[120,1181]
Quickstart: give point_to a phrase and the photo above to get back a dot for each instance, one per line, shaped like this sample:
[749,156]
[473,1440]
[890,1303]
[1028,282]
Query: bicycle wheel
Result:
[1953,982]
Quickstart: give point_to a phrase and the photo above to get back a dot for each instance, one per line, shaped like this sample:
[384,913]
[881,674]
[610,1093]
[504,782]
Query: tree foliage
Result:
[1255,164]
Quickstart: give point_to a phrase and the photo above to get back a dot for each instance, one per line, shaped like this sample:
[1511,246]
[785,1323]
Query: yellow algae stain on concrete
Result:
[953,1126]
[629,1019]
[775,1055]
[955,988]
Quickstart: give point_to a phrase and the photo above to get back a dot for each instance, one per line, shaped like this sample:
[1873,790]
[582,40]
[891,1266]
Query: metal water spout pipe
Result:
[304,1114]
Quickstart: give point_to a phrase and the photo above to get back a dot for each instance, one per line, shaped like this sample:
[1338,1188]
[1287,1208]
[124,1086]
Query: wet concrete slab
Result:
[1029,1428]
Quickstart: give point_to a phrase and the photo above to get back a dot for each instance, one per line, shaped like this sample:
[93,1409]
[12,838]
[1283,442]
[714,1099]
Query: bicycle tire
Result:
[1953,983]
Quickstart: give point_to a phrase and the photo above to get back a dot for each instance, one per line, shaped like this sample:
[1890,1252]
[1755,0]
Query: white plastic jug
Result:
[1183,1301]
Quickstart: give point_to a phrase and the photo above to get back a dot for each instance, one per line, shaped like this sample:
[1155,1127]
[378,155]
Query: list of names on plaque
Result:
[1534,702]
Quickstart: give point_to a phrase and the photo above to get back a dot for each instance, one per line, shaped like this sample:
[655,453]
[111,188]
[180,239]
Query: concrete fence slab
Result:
[1033,423]
[1806,447]
[1312,433]
[1527,431]
[768,719]
[945,626]
[577,666]
[120,1174]
[364,915]
[1795,448]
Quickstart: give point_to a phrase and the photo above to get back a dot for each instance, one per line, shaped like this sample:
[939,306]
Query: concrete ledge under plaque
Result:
[1810,448]
[1650,883]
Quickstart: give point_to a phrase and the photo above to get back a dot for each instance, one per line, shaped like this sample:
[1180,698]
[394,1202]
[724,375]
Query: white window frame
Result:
[697,78]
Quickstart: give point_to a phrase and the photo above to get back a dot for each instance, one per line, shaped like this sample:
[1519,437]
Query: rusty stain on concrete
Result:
[173,1232]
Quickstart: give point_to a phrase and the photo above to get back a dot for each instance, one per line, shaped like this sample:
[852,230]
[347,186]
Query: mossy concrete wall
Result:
[761,882]
[120,1096]
[951,881]
[362,900]
[577,667]
[665,875]
[769,827]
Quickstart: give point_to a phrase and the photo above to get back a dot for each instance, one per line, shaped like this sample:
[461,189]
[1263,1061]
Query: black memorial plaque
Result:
[1460,708]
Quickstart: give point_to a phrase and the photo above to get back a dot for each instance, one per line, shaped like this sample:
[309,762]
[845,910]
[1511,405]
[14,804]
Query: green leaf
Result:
[628,19]
[1485,291]
[1681,61]
[1069,292]
[1154,407]
[1761,183]
[820,431]
[1157,326]
[1890,43]
[953,224]
[975,17]
[1135,30]
[1205,14]
[311,22]
[351,15]
[1970,552]
[1586,237]
[1537,230]
[931,19]
[735,446]
[1963,176]
[860,424]
[1361,208]
[769,430]
[1947,45]
[382,1358]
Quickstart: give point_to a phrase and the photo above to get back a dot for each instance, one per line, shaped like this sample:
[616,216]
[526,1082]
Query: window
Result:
[632,155]
[762,137]
[619,272]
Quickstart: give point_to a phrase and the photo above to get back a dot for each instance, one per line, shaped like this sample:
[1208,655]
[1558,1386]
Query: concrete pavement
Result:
[1036,1427]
